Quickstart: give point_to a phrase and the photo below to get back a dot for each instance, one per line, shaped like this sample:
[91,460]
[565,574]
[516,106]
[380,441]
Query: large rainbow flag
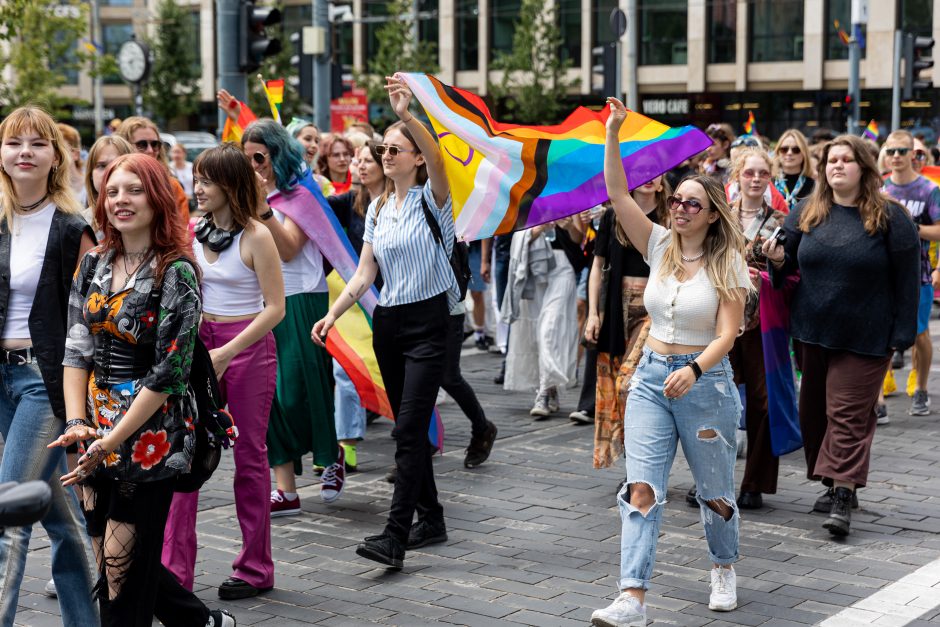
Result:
[784,418]
[350,340]
[932,172]
[233,131]
[505,177]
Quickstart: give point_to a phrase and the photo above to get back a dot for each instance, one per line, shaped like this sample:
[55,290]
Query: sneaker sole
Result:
[542,413]
[603,622]
[326,499]
[723,608]
[285,512]
[427,541]
[837,527]
[379,557]
[883,421]
[919,412]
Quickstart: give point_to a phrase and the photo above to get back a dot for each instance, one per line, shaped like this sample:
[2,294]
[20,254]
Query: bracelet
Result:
[408,120]
[76,422]
[267,215]
[695,368]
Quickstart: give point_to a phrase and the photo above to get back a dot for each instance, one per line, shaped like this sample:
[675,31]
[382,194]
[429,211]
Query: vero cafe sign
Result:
[666,106]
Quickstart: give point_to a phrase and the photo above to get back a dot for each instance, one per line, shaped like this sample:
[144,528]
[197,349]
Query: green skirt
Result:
[302,412]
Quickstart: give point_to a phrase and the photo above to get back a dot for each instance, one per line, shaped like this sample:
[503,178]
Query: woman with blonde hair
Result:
[695,298]
[42,238]
[792,167]
[858,255]
[105,150]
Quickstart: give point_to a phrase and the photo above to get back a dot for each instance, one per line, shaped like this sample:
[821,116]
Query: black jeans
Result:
[410,343]
[589,384]
[149,590]
[454,383]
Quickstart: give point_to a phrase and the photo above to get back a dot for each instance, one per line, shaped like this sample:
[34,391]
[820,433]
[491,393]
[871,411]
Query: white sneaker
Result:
[50,590]
[724,596]
[625,611]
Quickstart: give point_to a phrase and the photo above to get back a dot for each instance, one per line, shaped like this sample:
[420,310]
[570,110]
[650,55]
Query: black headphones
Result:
[217,239]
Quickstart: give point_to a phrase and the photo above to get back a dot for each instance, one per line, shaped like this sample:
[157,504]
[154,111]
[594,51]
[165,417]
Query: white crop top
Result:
[27,252]
[229,287]
[682,313]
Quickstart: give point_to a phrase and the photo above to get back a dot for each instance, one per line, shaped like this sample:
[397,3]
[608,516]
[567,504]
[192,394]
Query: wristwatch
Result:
[695,368]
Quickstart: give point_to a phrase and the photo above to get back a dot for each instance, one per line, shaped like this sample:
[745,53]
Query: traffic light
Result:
[604,59]
[304,65]
[255,46]
[916,59]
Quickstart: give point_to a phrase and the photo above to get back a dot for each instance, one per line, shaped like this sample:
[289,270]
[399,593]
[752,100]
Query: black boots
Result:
[840,516]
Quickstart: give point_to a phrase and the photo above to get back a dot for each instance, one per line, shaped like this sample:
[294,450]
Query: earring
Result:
[55,168]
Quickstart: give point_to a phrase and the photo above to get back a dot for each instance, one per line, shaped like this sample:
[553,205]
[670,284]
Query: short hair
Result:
[230,168]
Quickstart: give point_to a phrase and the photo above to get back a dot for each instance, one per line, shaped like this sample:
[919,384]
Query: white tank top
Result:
[304,273]
[30,235]
[229,287]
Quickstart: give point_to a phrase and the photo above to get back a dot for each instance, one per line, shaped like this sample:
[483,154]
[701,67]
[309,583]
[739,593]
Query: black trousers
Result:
[410,343]
[454,383]
[149,590]
[588,398]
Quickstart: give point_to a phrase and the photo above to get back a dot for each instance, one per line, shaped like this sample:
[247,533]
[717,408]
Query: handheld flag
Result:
[871,131]
[843,36]
[274,92]
[749,125]
[233,131]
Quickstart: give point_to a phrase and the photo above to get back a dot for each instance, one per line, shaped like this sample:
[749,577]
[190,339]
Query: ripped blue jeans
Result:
[704,420]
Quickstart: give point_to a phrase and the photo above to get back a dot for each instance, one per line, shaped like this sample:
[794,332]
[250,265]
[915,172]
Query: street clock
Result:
[133,61]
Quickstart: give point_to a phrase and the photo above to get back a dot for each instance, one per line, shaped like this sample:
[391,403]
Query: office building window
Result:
[722,22]
[503,17]
[195,40]
[839,11]
[568,14]
[600,13]
[776,31]
[343,40]
[916,16]
[429,22]
[467,21]
[114,35]
[663,32]
[372,10]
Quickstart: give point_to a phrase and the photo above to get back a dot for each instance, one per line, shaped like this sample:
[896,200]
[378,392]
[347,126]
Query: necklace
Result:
[141,257]
[28,208]
[692,259]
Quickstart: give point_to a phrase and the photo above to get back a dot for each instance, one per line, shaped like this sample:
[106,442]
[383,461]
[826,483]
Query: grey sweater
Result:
[857,292]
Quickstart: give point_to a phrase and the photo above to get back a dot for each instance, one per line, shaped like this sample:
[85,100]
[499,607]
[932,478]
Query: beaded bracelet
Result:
[76,422]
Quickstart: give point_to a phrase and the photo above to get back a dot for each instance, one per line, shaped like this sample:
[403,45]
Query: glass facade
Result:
[663,30]
[113,35]
[722,18]
[503,17]
[371,43]
[600,27]
[776,31]
[916,16]
[568,13]
[841,11]
[467,23]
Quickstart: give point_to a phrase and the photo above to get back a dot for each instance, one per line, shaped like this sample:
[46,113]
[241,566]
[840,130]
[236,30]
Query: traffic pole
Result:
[322,80]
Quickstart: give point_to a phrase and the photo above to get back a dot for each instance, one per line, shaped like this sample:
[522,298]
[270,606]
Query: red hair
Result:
[169,239]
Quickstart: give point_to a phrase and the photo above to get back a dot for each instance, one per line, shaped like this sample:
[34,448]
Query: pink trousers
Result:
[248,387]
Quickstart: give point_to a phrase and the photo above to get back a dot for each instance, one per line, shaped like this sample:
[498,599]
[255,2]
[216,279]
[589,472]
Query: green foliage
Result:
[396,52]
[173,87]
[278,66]
[42,38]
[534,84]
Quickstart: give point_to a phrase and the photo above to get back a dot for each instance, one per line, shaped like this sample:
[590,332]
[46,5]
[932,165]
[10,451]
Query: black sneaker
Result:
[897,360]
[690,498]
[220,618]
[501,377]
[479,449]
[823,504]
[840,517]
[424,533]
[383,549]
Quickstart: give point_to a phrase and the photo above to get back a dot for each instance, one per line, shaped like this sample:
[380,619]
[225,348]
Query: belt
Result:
[18,357]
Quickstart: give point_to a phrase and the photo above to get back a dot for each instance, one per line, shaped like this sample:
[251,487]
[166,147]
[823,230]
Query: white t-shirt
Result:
[29,237]
[185,176]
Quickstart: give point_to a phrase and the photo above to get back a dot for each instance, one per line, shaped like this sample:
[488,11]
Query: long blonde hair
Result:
[723,246]
[800,139]
[661,211]
[59,185]
[871,201]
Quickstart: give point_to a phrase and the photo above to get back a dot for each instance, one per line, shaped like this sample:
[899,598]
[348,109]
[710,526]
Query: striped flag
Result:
[749,124]
[871,131]
[274,92]
[233,131]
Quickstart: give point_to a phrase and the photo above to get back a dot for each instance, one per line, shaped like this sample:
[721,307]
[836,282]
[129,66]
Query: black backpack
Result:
[459,258]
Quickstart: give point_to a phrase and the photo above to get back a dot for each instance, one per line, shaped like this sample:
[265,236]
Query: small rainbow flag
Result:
[871,131]
[843,36]
[749,123]
[233,131]
[505,177]
[274,92]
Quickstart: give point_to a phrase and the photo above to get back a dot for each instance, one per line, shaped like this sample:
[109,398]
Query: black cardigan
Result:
[857,292]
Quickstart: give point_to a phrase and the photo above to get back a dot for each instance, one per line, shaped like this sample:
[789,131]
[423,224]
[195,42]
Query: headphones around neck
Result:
[217,239]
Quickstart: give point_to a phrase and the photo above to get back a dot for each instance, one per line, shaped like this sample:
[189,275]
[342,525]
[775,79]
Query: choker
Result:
[216,239]
[28,208]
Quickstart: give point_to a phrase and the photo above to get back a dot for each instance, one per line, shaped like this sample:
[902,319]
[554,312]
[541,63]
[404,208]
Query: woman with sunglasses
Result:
[42,240]
[620,329]
[717,162]
[793,172]
[683,389]
[334,162]
[857,253]
[410,321]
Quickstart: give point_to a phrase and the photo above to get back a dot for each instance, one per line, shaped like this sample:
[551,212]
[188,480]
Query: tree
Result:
[397,51]
[534,82]
[173,87]
[42,49]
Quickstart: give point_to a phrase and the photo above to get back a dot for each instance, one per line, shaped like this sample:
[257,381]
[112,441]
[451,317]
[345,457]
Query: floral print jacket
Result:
[136,337]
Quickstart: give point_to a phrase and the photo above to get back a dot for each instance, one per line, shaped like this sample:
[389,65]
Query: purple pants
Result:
[248,387]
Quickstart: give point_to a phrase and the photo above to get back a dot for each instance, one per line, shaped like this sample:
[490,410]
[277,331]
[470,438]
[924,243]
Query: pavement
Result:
[534,537]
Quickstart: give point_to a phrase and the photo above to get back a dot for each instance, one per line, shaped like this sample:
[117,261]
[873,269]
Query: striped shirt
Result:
[414,266]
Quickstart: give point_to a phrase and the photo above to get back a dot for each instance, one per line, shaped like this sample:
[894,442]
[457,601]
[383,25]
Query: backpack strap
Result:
[432,223]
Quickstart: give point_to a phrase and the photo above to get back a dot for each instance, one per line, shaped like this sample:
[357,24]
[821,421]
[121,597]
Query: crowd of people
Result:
[643,314]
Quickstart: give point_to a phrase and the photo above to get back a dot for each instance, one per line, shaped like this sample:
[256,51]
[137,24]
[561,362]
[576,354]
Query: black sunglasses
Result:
[153,143]
[897,151]
[259,158]
[392,150]
[793,150]
[691,205]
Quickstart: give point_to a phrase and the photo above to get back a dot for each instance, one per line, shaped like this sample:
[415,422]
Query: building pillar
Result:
[359,30]
[587,42]
[814,43]
[483,58]
[697,50]
[741,45]
[446,40]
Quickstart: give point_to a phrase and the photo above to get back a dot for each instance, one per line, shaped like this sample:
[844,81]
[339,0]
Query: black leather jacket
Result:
[47,318]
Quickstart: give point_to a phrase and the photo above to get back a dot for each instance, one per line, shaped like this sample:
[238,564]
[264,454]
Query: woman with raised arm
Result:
[682,389]
[410,321]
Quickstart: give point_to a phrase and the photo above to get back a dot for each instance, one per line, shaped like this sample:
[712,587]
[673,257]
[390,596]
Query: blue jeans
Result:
[348,412]
[653,424]
[28,425]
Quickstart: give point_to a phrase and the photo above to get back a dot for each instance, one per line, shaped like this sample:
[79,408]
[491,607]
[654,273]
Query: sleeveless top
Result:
[229,287]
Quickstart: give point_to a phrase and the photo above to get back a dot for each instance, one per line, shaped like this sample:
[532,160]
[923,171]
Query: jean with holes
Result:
[704,421]
[28,425]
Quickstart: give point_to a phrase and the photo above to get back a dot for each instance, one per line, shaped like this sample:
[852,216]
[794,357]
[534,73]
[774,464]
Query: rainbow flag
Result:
[932,172]
[350,340]
[505,177]
[785,434]
[274,92]
[749,124]
[871,131]
[233,131]
[843,36]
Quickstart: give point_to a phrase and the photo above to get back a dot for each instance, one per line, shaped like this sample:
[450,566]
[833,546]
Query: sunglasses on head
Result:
[691,206]
[381,149]
[793,150]
[153,143]
[259,158]
[897,151]
[745,141]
